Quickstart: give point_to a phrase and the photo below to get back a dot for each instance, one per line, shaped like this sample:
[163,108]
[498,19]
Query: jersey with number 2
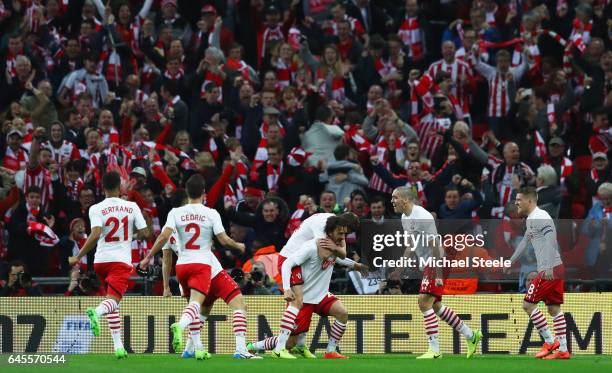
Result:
[194,226]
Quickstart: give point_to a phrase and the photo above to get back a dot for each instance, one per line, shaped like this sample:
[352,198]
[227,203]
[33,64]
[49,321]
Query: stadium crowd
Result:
[289,108]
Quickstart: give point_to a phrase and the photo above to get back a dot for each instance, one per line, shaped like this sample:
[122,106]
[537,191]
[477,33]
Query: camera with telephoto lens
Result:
[152,271]
[256,276]
[237,275]
[24,278]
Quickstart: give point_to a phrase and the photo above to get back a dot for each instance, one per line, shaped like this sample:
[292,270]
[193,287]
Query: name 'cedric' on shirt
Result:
[193,217]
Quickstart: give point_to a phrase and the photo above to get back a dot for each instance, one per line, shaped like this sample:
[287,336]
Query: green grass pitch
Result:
[356,363]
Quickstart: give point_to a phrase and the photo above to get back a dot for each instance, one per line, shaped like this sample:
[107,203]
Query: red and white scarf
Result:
[73,188]
[285,72]
[15,160]
[236,194]
[238,65]
[353,136]
[417,186]
[151,209]
[411,35]
[216,79]
[42,233]
[581,34]
[273,174]
[381,150]
[11,63]
[270,34]
[540,145]
[174,76]
[295,220]
[336,84]
[297,156]
[261,156]
[421,88]
[594,175]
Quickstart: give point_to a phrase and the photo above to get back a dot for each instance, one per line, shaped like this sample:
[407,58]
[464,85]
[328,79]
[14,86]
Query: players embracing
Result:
[306,273]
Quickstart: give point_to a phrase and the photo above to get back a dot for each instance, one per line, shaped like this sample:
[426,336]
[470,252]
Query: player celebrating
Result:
[311,228]
[316,260]
[417,220]
[112,222]
[194,226]
[548,285]
[221,286]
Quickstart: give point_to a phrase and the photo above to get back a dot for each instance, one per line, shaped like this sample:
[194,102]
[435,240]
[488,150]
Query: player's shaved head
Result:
[529,193]
[111,181]
[195,186]
[404,193]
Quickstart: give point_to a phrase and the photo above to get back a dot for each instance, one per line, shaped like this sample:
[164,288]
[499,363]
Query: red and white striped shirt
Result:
[40,177]
[459,70]
[381,150]
[504,184]
[499,99]
[66,151]
[413,37]
[430,130]
[566,168]
[111,137]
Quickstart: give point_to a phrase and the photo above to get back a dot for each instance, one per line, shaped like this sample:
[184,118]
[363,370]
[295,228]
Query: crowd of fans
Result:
[289,108]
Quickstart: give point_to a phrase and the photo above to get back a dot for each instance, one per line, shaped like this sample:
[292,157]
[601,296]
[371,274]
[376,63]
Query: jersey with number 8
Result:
[117,218]
[194,226]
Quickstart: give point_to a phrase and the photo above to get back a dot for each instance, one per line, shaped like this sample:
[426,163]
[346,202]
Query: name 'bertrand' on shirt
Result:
[119,208]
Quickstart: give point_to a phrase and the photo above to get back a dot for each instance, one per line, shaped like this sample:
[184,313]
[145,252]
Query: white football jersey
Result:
[421,225]
[542,233]
[312,227]
[194,226]
[316,272]
[214,262]
[117,218]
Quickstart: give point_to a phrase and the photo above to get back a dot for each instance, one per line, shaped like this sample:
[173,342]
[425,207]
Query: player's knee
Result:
[297,303]
[528,307]
[239,303]
[424,303]
[342,315]
[554,310]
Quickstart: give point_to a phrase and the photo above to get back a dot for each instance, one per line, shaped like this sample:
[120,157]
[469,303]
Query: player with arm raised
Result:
[112,226]
[548,285]
[194,226]
[417,220]
[221,286]
[311,228]
[316,262]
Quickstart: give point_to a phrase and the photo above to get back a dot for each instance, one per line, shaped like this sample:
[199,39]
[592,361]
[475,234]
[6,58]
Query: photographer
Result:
[257,282]
[81,285]
[390,287]
[19,282]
